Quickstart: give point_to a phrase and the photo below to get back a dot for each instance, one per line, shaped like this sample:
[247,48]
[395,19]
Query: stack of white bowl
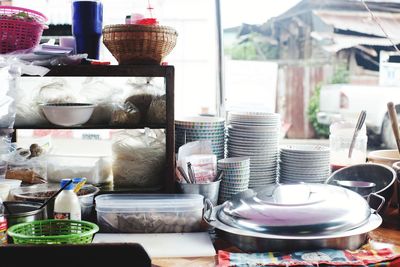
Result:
[191,129]
[235,179]
[304,163]
[255,135]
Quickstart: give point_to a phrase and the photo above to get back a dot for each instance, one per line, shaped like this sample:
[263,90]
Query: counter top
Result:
[388,235]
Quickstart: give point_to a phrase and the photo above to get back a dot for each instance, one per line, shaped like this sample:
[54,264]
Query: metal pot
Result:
[20,212]
[275,218]
[384,178]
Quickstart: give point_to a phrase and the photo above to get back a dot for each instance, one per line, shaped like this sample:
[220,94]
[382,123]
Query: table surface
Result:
[387,235]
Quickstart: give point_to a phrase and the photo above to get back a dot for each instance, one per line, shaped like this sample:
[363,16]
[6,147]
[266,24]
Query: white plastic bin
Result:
[97,170]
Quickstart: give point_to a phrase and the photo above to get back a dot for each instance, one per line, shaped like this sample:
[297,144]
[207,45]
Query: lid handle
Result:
[382,199]
[208,210]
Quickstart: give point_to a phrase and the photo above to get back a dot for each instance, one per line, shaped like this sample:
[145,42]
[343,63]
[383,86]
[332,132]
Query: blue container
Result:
[87,25]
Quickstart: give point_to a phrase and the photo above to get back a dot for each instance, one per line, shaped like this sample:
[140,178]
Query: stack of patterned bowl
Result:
[201,128]
[255,135]
[304,164]
[236,174]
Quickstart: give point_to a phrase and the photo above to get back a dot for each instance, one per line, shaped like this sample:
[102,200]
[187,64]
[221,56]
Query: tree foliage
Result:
[341,75]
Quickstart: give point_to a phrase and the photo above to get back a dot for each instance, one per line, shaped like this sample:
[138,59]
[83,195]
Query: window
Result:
[194,56]
[276,53]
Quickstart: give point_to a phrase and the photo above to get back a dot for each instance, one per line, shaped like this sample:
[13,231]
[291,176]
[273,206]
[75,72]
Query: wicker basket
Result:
[139,44]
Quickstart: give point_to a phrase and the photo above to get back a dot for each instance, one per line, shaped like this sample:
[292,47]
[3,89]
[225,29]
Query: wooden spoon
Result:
[395,126]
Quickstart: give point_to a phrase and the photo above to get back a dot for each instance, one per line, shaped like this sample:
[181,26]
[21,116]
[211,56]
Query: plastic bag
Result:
[139,158]
[125,114]
[148,96]
[56,90]
[157,113]
[28,165]
[203,161]
[7,100]
[104,96]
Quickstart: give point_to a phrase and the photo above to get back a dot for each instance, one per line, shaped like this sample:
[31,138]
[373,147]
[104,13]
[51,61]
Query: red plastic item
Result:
[147,21]
[20,28]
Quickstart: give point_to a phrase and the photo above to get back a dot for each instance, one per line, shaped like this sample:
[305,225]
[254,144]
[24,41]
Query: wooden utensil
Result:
[182,172]
[191,173]
[395,126]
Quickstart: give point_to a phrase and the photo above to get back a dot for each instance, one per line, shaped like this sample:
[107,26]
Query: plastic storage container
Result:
[149,213]
[341,134]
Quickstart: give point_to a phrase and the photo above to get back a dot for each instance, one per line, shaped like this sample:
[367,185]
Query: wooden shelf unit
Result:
[166,72]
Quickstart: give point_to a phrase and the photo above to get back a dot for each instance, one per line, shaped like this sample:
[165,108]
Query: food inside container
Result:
[138,158]
[96,170]
[149,213]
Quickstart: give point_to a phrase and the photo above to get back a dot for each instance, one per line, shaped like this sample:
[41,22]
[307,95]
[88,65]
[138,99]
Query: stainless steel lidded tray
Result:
[295,209]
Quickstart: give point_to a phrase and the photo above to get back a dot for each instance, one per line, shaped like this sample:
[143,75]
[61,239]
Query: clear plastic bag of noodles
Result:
[139,158]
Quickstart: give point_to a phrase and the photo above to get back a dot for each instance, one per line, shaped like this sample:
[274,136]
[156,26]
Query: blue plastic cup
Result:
[87,25]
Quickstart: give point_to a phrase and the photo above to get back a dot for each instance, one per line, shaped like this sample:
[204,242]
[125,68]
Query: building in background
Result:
[312,39]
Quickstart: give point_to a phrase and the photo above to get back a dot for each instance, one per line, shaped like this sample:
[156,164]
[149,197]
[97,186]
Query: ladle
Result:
[55,194]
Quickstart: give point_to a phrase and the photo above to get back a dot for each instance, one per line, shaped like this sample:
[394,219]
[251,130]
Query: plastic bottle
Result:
[66,205]
[341,134]
[3,225]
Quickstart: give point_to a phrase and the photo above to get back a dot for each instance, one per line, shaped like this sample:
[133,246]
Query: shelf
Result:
[91,127]
[111,71]
[166,72]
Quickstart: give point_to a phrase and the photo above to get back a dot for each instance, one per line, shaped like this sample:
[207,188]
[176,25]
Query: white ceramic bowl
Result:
[68,114]
[386,156]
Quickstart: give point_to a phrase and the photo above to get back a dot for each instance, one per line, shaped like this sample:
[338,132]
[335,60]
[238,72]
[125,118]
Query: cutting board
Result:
[165,245]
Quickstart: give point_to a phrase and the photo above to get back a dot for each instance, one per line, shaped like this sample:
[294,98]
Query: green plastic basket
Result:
[53,232]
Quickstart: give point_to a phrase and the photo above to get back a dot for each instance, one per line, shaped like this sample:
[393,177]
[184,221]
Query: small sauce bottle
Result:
[66,205]
[3,225]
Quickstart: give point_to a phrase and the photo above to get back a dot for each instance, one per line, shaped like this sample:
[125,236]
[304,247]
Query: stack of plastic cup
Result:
[236,176]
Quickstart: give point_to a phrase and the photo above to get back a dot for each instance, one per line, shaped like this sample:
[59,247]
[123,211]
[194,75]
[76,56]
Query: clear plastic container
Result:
[341,134]
[149,213]
[96,170]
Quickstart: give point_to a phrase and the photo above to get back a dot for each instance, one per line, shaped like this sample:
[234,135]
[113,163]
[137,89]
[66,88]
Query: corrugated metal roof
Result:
[333,42]
[305,6]
[362,22]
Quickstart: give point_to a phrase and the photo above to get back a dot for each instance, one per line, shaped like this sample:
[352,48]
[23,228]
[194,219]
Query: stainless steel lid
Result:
[299,209]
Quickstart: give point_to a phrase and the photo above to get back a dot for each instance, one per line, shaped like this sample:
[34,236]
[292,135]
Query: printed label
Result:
[3,230]
[62,215]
